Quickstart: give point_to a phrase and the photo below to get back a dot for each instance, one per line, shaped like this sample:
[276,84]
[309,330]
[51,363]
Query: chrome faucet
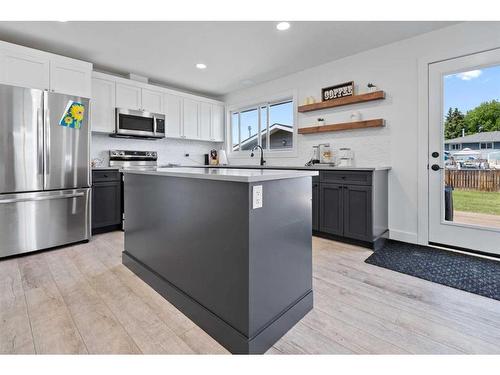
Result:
[262,161]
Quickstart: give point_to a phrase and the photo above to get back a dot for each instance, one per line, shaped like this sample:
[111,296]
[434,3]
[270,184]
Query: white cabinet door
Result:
[217,133]
[71,77]
[128,96]
[152,101]
[205,121]
[191,119]
[173,113]
[102,105]
[24,69]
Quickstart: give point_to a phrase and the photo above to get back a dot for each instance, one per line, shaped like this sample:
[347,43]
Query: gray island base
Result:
[242,274]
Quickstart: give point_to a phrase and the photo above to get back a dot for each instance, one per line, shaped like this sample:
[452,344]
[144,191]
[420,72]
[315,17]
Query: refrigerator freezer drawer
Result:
[35,221]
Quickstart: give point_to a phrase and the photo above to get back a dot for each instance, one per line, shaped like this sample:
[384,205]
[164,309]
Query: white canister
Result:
[223,158]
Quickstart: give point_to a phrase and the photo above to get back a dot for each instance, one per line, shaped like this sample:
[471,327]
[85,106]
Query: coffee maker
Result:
[322,154]
[315,155]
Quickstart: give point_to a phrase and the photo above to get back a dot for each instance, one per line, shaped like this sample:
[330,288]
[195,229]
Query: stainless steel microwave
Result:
[132,123]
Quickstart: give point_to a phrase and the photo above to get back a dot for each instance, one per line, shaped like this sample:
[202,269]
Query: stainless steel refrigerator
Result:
[44,170]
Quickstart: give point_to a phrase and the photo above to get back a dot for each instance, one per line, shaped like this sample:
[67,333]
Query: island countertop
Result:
[227,174]
[315,167]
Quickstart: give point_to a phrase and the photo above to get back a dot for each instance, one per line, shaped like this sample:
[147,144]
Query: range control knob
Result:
[122,153]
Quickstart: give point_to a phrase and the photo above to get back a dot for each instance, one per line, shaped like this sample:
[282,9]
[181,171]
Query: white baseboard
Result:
[403,236]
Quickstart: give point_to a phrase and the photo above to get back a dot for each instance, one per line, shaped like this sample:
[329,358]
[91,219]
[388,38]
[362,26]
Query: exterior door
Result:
[66,158]
[21,139]
[464,183]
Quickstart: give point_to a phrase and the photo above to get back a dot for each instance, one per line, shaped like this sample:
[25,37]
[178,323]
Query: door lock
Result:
[435,154]
[435,167]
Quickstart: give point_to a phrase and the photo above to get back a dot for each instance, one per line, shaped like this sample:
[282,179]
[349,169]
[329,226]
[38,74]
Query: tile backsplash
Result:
[169,150]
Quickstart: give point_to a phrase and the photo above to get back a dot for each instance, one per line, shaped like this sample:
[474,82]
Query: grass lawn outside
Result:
[484,202]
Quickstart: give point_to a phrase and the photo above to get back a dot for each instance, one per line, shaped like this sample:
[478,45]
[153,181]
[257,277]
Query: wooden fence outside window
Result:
[471,179]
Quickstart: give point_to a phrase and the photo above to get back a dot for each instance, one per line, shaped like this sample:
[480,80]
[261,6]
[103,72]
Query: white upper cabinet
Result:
[152,101]
[128,96]
[191,118]
[103,105]
[173,113]
[217,123]
[22,68]
[205,121]
[31,68]
[71,77]
[186,116]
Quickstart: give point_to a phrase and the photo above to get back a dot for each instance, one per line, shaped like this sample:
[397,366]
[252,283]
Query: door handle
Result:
[40,140]
[435,167]
[50,197]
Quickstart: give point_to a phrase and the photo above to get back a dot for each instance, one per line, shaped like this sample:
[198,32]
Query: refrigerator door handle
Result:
[44,198]
[40,141]
[46,125]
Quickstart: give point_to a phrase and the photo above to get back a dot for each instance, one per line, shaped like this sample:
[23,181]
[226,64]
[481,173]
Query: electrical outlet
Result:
[257,196]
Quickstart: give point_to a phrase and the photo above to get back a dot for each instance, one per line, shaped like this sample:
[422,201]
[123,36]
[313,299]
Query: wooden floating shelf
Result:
[376,95]
[343,126]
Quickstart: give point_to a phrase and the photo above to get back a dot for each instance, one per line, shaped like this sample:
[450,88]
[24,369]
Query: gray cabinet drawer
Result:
[346,177]
[105,176]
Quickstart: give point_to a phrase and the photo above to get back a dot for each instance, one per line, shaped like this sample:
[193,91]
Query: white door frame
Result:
[423,126]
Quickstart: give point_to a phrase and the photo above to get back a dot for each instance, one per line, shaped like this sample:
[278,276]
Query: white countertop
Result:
[226,174]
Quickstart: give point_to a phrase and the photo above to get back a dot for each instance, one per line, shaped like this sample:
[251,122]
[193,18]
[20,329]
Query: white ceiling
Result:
[236,53]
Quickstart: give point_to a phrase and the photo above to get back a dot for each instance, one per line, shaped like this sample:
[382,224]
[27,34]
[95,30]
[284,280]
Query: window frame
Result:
[258,103]
[491,144]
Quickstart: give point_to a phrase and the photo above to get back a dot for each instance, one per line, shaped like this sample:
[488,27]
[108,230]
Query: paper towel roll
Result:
[223,157]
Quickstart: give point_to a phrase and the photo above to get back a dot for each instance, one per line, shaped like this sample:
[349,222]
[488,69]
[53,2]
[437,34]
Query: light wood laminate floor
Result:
[81,299]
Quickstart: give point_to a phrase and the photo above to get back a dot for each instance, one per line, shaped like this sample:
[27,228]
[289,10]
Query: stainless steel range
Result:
[125,159]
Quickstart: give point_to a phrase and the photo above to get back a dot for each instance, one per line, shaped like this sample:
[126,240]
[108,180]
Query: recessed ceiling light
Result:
[283,26]
[201,66]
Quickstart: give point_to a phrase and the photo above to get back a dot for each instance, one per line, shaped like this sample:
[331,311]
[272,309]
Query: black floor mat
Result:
[466,272]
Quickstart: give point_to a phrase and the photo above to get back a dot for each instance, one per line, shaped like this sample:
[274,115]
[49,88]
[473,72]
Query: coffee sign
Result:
[337,91]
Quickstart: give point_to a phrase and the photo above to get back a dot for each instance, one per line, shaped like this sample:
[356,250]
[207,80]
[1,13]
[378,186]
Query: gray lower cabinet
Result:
[106,201]
[357,202]
[331,209]
[351,205]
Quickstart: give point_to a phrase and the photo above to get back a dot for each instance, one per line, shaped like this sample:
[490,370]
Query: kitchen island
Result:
[230,248]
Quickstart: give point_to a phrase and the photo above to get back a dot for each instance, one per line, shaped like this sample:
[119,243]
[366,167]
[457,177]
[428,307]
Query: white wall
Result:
[169,150]
[394,69]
